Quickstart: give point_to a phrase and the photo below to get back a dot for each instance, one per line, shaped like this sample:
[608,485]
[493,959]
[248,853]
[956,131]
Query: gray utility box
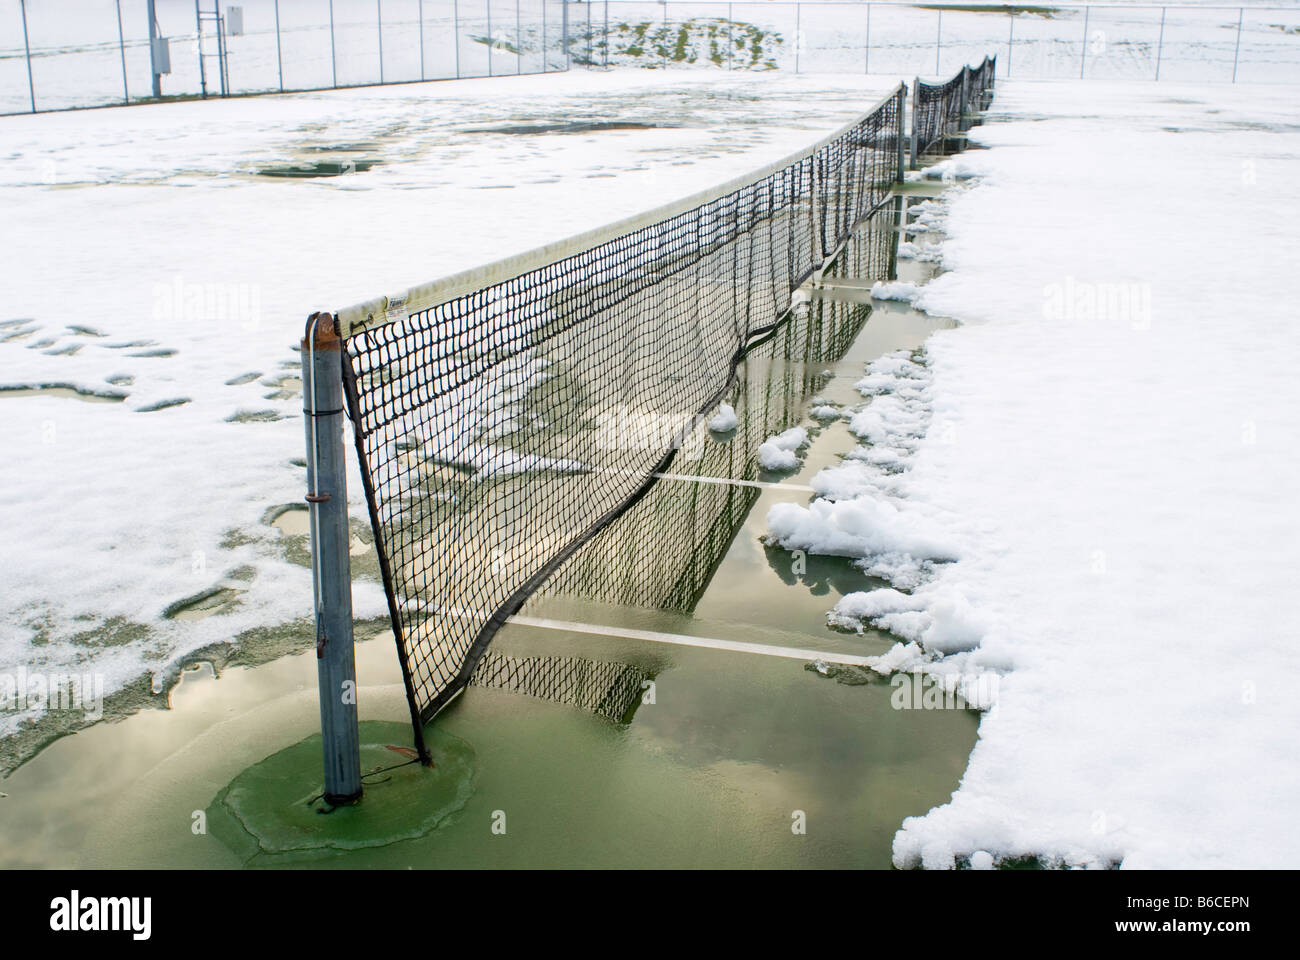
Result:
[234,21]
[162,55]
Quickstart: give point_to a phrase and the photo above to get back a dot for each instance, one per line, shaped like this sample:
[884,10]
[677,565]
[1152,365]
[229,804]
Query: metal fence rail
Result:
[63,54]
[1106,40]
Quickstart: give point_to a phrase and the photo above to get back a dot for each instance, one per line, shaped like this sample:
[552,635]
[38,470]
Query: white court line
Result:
[761,484]
[736,646]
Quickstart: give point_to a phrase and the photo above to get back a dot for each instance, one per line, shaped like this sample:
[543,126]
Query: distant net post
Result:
[327,500]
[916,117]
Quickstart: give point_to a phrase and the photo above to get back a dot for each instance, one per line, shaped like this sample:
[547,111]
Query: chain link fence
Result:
[61,54]
[1120,41]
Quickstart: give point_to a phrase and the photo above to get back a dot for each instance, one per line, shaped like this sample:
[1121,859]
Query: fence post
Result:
[198,33]
[379,10]
[546,53]
[938,42]
[420,10]
[334,62]
[327,504]
[916,100]
[1236,54]
[798,29]
[490,41]
[153,60]
[665,6]
[519,41]
[731,41]
[1011,39]
[1083,59]
[605,35]
[31,89]
[121,43]
[279,57]
[564,32]
[1160,49]
[455,30]
[866,59]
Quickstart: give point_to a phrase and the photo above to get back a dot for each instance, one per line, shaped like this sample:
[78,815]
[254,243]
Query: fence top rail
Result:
[382,310]
[957,5]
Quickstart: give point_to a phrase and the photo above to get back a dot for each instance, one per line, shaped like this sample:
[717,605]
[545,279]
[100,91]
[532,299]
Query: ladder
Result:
[217,23]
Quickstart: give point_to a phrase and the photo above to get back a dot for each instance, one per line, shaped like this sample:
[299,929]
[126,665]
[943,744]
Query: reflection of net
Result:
[663,552]
[500,429]
[609,690]
[938,108]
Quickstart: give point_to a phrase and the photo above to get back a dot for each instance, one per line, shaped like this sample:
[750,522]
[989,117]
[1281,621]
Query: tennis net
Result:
[504,417]
[941,110]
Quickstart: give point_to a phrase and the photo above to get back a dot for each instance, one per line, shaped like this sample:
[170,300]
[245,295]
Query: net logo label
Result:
[102,914]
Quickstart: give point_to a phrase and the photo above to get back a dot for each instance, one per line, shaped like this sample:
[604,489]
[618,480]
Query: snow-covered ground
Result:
[149,262]
[1088,489]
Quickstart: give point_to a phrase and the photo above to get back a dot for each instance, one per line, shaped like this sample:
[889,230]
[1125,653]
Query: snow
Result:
[724,420]
[780,453]
[1087,489]
[903,290]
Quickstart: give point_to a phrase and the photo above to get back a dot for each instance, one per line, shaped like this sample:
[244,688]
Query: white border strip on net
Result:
[383,310]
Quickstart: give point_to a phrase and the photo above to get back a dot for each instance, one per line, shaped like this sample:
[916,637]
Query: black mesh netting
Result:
[500,431]
[938,109]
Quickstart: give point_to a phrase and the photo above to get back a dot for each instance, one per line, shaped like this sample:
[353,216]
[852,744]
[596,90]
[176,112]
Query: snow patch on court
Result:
[1105,452]
[780,453]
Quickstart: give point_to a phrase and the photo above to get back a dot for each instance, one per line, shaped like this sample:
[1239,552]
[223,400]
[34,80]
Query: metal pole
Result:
[866,65]
[519,41]
[455,33]
[564,32]
[379,10]
[606,34]
[1236,54]
[31,88]
[898,136]
[153,35]
[546,53]
[121,43]
[334,63]
[798,27]
[420,8]
[223,75]
[665,3]
[916,101]
[731,41]
[1160,49]
[198,26]
[489,36]
[938,43]
[1083,60]
[327,503]
[279,59]
[1011,39]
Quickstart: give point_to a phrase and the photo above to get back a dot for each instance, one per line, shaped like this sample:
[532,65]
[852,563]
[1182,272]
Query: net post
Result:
[916,102]
[327,500]
[963,121]
[898,133]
